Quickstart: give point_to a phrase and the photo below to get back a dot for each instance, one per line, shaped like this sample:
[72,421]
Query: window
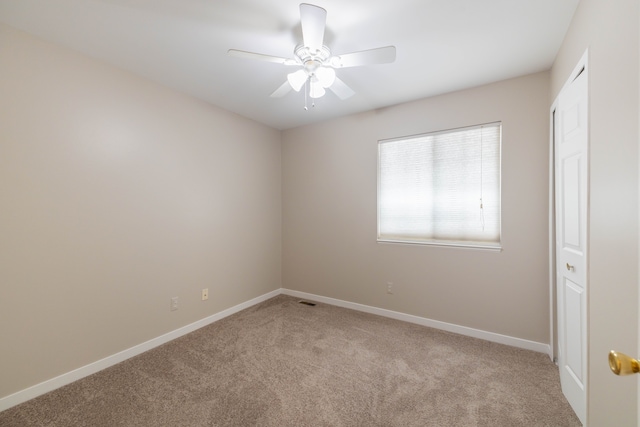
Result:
[441,187]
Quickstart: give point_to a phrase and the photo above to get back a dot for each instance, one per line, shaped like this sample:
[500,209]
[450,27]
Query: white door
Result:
[571,151]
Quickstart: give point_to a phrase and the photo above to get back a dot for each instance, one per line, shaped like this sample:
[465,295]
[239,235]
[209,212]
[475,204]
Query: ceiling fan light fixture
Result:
[326,76]
[316,90]
[297,79]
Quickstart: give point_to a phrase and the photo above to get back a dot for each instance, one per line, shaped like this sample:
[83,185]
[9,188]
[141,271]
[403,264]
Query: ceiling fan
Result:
[318,66]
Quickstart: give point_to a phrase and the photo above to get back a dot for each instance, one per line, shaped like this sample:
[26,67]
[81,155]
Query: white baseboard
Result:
[84,371]
[462,330]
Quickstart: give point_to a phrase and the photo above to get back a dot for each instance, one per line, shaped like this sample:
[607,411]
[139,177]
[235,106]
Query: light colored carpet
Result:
[281,363]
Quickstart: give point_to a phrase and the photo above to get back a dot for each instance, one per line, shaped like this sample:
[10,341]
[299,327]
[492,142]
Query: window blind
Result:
[441,187]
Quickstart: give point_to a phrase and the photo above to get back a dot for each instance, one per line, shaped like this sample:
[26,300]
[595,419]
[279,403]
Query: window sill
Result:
[494,247]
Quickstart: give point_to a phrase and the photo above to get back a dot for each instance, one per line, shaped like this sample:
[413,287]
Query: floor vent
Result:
[312,304]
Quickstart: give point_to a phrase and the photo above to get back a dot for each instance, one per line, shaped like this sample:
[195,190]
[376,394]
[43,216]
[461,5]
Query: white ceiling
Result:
[442,45]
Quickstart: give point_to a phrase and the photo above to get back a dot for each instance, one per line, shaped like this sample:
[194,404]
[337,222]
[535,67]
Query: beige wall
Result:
[115,195]
[329,215]
[610,30]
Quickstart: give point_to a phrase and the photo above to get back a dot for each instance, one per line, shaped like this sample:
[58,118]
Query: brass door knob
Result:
[570,267]
[621,364]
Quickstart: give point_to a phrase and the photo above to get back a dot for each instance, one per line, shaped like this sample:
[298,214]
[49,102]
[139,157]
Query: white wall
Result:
[115,195]
[329,215]
[610,30]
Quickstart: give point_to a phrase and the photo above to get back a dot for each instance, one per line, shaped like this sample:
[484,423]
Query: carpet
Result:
[282,363]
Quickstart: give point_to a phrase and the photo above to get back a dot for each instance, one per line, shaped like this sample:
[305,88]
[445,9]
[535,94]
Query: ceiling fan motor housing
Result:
[312,59]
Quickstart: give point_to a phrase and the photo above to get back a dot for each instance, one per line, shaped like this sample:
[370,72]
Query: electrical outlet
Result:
[205,294]
[390,287]
[174,303]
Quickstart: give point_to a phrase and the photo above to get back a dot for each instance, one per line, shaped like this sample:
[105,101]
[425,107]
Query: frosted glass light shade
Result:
[326,76]
[316,90]
[297,79]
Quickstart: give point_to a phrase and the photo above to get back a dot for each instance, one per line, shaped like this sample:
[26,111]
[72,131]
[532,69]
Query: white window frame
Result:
[477,244]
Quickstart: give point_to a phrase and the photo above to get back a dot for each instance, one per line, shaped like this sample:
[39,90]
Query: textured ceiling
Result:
[442,46]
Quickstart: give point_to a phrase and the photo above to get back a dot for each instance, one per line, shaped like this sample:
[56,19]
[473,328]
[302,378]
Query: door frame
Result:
[553,326]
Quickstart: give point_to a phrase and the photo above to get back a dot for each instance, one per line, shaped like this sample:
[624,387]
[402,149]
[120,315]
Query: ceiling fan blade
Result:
[381,55]
[313,20]
[282,90]
[260,57]
[341,89]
